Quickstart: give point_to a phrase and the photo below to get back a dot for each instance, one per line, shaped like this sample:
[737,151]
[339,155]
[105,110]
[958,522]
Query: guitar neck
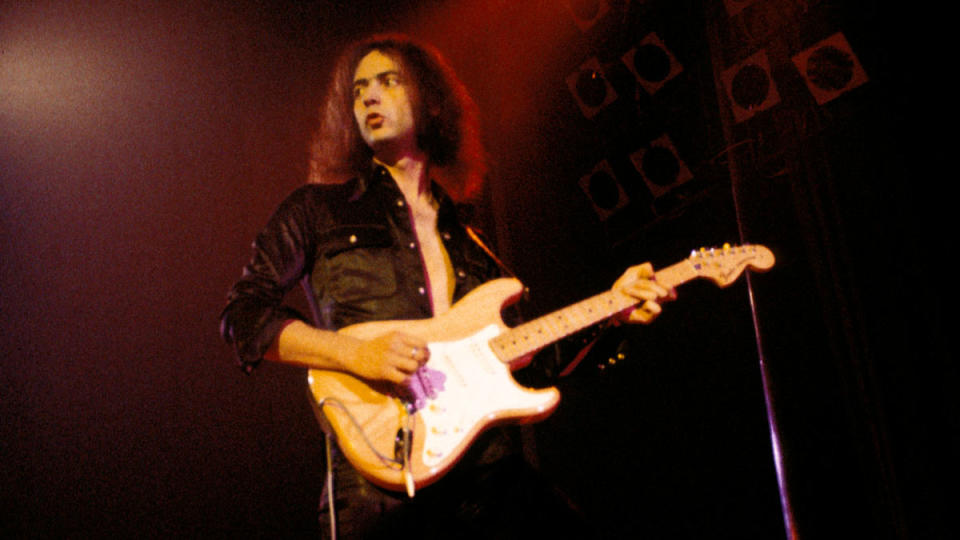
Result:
[534,335]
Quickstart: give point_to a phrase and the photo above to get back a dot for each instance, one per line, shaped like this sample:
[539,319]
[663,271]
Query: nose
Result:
[371,94]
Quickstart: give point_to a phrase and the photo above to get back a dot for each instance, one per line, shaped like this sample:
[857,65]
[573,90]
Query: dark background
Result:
[142,145]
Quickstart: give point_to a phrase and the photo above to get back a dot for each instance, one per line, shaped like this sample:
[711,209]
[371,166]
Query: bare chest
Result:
[436,262]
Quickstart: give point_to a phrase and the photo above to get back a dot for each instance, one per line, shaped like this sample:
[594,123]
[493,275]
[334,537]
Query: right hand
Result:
[392,357]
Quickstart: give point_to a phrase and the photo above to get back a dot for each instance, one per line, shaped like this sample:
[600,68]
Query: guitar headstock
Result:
[725,264]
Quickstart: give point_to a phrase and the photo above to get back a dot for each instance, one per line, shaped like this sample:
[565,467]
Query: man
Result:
[376,237]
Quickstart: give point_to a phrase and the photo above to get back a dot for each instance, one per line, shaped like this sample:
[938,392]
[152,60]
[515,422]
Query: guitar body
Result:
[462,390]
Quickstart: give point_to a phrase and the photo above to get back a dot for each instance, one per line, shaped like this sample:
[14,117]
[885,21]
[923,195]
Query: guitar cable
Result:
[331,499]
[353,420]
[406,444]
[407,448]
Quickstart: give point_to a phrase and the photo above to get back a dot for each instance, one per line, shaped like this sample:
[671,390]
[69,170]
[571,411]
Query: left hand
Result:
[638,282]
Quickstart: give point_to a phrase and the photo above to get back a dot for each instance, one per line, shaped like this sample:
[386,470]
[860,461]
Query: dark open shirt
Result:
[353,249]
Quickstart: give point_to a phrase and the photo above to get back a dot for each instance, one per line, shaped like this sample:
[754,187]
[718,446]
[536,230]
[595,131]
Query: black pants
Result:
[505,499]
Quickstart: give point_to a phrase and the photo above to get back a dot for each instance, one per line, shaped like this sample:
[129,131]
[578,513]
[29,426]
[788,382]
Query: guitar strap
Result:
[472,233]
[475,236]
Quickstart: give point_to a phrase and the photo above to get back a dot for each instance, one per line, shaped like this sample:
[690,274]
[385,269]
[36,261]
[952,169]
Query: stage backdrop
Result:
[143,145]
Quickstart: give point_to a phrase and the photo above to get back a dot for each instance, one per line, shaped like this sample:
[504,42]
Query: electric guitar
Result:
[406,438]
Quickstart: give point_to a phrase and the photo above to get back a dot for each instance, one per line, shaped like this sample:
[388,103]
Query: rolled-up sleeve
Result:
[282,253]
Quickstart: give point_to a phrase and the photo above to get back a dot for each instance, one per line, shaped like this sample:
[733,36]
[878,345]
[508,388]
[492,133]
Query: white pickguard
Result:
[477,387]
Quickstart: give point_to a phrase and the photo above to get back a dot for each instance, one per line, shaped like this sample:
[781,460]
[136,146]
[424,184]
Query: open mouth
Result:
[374,120]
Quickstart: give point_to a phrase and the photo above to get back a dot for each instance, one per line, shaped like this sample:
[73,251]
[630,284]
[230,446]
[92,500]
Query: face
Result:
[383,104]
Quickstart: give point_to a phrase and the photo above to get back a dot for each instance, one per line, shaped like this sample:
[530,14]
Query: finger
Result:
[397,376]
[640,292]
[647,290]
[404,345]
[646,312]
[414,350]
[419,355]
[652,285]
[644,271]
[635,274]
[404,364]
[410,342]
[418,350]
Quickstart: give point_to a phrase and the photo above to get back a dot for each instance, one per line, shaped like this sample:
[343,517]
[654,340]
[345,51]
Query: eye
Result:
[391,80]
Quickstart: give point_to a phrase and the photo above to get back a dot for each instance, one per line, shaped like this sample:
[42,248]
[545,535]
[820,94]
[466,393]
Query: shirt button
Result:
[400,203]
[446,236]
[412,245]
[461,274]
[422,291]
[353,239]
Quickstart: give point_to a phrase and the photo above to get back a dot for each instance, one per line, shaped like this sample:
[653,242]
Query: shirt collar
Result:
[378,174]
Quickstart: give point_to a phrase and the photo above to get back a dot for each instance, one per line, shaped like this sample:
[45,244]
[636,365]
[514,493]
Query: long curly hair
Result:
[445,116]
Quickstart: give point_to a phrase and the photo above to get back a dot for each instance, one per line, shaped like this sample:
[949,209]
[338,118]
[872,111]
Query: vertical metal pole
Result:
[790,526]
[711,17]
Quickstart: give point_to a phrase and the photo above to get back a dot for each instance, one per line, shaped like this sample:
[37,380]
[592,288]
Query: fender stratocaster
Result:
[407,438]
